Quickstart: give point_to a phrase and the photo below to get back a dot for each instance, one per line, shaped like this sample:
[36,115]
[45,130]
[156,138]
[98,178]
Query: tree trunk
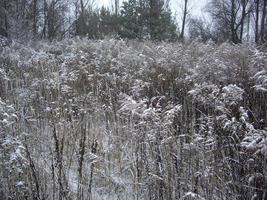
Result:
[263,18]
[34,24]
[248,28]
[6,20]
[257,21]
[45,19]
[82,16]
[233,32]
[117,7]
[184,18]
[244,3]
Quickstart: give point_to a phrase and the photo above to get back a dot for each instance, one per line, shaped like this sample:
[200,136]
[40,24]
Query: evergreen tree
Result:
[147,19]
[131,20]
[108,24]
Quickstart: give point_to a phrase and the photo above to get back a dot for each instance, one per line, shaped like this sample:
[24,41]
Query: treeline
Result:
[111,119]
[229,20]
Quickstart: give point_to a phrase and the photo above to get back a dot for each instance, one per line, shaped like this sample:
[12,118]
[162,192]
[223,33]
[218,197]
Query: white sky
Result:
[195,6]
[104,2]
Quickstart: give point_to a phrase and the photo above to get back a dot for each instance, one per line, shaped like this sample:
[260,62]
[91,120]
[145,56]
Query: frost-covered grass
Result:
[114,119]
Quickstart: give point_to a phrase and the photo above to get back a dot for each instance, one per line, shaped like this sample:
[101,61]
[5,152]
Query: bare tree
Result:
[229,17]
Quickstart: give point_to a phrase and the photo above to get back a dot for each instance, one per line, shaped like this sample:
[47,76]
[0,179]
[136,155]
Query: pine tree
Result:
[147,19]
